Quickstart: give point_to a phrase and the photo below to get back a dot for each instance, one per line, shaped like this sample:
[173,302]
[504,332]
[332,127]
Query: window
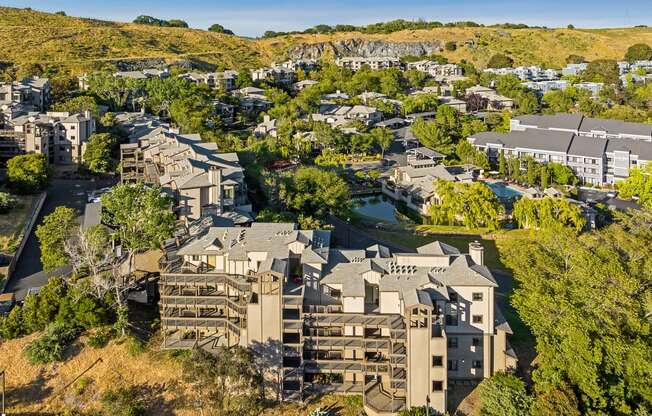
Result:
[452,342]
[477,297]
[72,127]
[437,386]
[452,365]
[437,360]
[72,137]
[452,319]
[476,364]
[477,342]
[453,297]
[196,258]
[477,319]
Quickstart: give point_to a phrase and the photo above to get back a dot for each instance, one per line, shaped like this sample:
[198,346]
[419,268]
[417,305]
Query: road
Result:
[29,271]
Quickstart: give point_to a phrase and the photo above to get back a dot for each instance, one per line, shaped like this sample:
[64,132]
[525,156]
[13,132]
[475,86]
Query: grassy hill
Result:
[86,374]
[29,37]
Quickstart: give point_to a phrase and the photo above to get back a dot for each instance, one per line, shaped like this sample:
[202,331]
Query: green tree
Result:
[473,205]
[500,61]
[315,192]
[548,213]
[638,184]
[218,28]
[98,153]
[433,136]
[28,173]
[7,202]
[502,164]
[52,234]
[556,402]
[504,395]
[532,172]
[575,59]
[419,103]
[141,216]
[602,70]
[586,300]
[450,46]
[544,176]
[78,104]
[638,52]
[383,137]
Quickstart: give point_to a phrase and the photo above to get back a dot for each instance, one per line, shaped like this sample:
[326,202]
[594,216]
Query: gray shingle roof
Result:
[587,146]
[549,140]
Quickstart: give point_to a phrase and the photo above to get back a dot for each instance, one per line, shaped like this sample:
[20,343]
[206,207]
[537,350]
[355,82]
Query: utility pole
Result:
[2,373]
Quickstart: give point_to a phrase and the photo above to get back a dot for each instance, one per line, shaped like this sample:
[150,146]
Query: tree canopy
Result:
[548,213]
[98,153]
[587,301]
[52,234]
[638,52]
[473,205]
[218,28]
[639,185]
[28,173]
[141,215]
[500,61]
[315,192]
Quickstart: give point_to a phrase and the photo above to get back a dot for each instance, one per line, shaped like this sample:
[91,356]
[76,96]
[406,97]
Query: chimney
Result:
[476,250]
[266,118]
[215,192]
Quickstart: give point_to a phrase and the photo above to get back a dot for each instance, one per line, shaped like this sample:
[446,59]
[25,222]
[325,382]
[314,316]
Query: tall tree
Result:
[433,136]
[98,153]
[52,234]
[473,205]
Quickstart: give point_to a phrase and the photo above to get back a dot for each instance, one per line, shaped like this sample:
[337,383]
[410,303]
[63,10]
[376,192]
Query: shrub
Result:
[82,384]
[27,173]
[7,202]
[122,402]
[135,346]
[500,61]
[50,346]
[450,46]
[100,337]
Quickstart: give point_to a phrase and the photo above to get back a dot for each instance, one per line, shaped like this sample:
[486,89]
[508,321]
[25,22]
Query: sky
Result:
[253,17]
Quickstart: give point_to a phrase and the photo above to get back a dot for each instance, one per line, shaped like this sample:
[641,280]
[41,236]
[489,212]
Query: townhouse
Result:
[357,62]
[400,329]
[436,70]
[414,184]
[201,181]
[574,69]
[339,115]
[495,101]
[306,65]
[599,151]
[252,100]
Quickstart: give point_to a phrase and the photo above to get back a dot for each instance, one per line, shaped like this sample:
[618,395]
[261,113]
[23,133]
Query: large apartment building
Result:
[202,181]
[60,136]
[599,151]
[398,328]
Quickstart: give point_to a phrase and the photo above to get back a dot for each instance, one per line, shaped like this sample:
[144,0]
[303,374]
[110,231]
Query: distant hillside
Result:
[28,36]
[31,37]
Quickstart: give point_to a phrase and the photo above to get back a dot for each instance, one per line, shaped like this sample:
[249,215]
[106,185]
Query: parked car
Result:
[96,195]
[7,302]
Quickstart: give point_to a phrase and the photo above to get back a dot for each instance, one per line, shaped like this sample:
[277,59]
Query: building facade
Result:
[397,328]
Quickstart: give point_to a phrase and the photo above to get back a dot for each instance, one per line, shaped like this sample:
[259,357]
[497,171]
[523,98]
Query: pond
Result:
[503,191]
[379,207]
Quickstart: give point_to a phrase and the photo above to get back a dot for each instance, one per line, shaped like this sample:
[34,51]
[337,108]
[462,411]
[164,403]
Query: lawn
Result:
[11,224]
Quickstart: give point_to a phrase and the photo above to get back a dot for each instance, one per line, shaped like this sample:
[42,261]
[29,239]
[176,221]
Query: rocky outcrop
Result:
[364,48]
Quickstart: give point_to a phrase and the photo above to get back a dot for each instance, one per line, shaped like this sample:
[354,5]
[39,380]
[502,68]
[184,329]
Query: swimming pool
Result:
[503,191]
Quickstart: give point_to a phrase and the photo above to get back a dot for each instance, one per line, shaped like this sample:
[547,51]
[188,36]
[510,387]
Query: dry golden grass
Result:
[12,222]
[155,375]
[40,389]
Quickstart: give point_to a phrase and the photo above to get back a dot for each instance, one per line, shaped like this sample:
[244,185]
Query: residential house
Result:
[495,101]
[301,85]
[277,75]
[225,80]
[267,128]
[574,69]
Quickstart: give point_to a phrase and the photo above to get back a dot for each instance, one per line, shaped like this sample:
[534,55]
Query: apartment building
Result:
[574,69]
[277,75]
[527,73]
[600,152]
[202,181]
[305,65]
[60,136]
[398,328]
[17,98]
[357,62]
[339,115]
[225,80]
[437,70]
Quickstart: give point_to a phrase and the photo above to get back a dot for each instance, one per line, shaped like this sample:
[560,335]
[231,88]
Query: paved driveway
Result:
[29,271]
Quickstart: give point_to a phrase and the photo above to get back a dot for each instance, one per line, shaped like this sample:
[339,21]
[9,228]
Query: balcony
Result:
[380,402]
